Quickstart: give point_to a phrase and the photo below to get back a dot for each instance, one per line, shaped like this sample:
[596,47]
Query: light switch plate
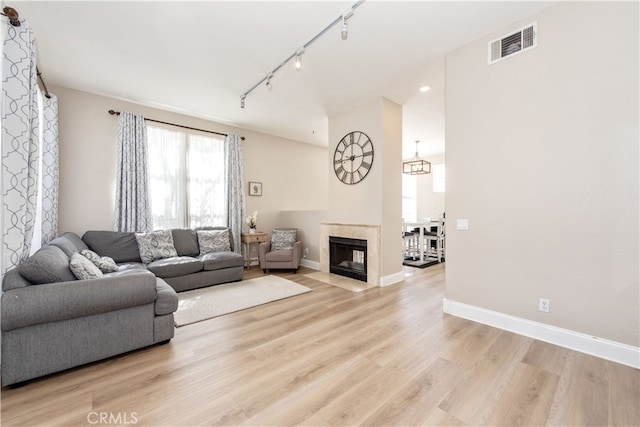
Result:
[462,224]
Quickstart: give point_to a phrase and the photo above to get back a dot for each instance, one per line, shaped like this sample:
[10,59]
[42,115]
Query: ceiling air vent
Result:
[524,39]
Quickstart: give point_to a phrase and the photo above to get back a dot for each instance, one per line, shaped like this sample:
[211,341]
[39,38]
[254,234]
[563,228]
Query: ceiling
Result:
[198,58]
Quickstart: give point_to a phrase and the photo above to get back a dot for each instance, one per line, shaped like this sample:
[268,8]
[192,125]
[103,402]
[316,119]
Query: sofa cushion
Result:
[213,241]
[130,268]
[104,263]
[175,266]
[14,280]
[218,260]
[280,255]
[167,300]
[70,243]
[155,245]
[48,265]
[83,268]
[122,247]
[185,242]
[283,239]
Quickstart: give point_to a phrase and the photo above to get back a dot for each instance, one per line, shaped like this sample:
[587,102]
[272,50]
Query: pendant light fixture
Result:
[416,166]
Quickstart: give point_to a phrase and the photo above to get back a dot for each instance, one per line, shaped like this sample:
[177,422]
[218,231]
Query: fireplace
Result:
[348,257]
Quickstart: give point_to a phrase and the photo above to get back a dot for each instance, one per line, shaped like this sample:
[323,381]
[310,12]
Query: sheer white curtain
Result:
[167,178]
[186,179]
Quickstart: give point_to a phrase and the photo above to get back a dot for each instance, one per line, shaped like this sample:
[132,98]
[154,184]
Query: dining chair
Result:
[439,238]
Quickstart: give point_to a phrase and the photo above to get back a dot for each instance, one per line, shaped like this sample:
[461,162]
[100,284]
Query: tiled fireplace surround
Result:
[370,233]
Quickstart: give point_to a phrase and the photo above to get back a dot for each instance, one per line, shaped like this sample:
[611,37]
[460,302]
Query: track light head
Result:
[242,101]
[268,84]
[298,63]
[344,33]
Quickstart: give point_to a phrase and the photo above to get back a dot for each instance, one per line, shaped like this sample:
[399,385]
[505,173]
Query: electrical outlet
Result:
[544,305]
[306,253]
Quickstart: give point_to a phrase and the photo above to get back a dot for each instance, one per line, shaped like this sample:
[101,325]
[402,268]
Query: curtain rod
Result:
[14,19]
[117,113]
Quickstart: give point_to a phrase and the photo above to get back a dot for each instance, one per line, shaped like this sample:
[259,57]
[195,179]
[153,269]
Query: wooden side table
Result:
[247,240]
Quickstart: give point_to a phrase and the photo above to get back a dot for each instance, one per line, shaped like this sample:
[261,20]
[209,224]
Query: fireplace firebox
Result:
[348,257]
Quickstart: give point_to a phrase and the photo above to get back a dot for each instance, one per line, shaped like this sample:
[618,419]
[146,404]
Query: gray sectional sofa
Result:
[188,270]
[51,321]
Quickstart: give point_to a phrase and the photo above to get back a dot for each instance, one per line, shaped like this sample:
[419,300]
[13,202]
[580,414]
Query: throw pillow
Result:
[155,245]
[104,263]
[213,241]
[283,239]
[48,265]
[83,269]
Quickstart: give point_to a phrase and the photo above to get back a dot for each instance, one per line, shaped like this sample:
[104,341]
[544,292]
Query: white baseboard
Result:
[310,264]
[594,346]
[391,279]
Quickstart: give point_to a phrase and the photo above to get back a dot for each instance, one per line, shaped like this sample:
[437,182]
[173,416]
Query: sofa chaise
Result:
[51,320]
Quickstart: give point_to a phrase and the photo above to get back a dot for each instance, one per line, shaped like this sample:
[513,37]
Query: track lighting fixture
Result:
[344,34]
[298,62]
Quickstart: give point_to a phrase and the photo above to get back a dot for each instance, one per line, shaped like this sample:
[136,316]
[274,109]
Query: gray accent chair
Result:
[288,259]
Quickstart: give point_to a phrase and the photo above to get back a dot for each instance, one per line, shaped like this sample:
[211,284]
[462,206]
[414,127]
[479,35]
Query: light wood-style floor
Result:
[381,357]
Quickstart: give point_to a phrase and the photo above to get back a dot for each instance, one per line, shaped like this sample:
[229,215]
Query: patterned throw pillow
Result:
[155,245]
[283,239]
[104,263]
[82,268]
[213,241]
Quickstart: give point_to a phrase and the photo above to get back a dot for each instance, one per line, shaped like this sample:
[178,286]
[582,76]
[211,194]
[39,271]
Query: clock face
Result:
[353,157]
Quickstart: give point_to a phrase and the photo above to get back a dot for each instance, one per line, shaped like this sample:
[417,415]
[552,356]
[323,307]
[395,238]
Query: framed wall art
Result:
[255,188]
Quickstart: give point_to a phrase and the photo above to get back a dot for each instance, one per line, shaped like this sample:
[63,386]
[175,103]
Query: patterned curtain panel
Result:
[49,169]
[235,187]
[19,144]
[133,206]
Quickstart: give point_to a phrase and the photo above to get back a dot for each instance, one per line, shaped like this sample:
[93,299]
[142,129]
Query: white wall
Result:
[293,174]
[542,158]
[377,199]
[429,204]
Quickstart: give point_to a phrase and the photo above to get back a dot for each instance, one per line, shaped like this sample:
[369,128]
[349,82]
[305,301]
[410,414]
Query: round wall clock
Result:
[353,157]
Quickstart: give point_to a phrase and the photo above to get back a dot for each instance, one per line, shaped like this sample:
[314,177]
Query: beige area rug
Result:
[213,301]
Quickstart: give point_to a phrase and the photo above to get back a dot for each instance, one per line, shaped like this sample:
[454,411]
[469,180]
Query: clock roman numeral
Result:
[365,165]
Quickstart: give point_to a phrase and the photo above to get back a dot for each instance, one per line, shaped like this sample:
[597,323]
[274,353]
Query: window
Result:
[186,173]
[409,198]
[438,178]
